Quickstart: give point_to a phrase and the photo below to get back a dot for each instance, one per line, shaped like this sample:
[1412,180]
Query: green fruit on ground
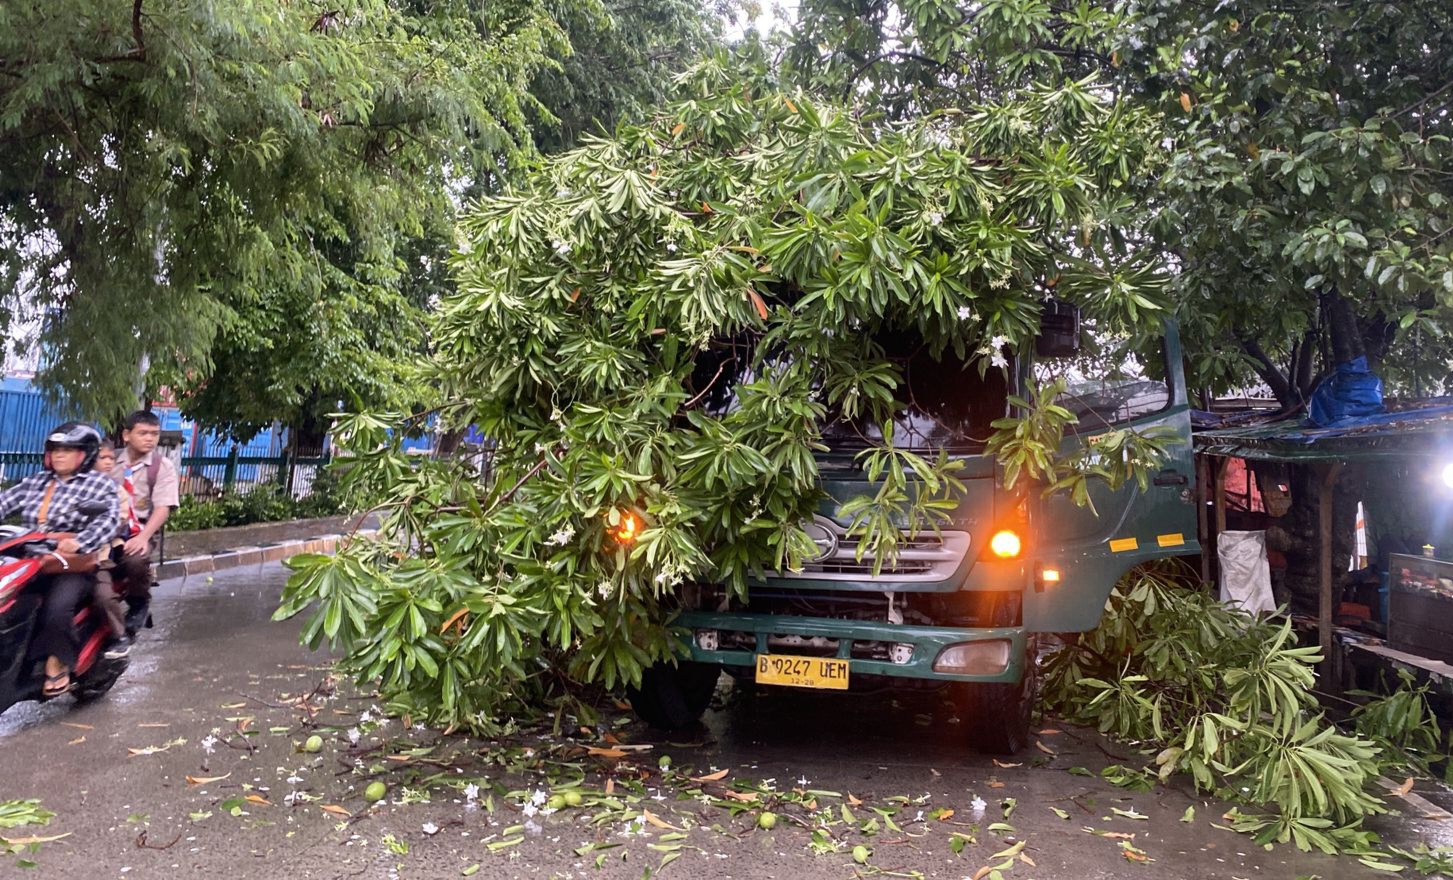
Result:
[314,744]
[860,854]
[573,798]
[767,821]
[375,792]
[556,802]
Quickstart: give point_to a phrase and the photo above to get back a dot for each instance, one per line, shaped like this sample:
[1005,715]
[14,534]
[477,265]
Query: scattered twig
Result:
[142,844]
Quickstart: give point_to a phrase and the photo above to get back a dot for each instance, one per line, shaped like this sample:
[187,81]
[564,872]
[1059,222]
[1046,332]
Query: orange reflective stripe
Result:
[45,504]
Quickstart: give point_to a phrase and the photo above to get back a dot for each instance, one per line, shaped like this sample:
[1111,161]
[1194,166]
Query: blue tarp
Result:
[1348,397]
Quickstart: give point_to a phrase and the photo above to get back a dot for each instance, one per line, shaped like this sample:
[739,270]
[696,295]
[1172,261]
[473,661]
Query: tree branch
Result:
[1270,373]
[139,53]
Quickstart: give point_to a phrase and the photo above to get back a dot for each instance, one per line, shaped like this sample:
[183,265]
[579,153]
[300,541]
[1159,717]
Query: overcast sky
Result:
[774,15]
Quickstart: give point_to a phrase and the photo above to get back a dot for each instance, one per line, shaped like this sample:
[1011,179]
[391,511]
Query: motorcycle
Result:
[25,558]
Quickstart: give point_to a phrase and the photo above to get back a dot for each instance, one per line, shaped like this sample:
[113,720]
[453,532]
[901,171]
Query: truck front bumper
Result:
[927,642]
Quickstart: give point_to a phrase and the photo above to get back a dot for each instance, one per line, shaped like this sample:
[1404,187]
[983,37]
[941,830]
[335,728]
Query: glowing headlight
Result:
[1448,475]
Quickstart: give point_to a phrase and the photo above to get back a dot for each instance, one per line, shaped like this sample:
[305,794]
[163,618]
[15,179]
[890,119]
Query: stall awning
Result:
[1409,429]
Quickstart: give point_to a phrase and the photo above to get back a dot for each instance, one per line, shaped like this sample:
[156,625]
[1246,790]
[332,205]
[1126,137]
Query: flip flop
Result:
[50,680]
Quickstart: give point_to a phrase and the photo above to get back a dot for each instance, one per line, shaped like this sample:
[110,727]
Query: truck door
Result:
[1108,388]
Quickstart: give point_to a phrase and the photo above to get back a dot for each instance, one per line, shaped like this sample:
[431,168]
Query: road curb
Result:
[238,556]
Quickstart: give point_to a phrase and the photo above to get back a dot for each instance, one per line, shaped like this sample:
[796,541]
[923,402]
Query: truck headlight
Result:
[989,657]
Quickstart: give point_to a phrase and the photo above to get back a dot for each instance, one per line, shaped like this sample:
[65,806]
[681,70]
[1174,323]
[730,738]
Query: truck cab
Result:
[960,606]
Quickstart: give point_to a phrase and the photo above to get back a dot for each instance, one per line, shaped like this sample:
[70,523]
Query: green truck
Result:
[960,607]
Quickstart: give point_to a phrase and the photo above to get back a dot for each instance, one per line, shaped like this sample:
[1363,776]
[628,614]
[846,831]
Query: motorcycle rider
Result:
[51,501]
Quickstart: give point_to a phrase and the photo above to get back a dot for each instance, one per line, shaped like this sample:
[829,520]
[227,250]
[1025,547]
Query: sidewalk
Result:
[203,552]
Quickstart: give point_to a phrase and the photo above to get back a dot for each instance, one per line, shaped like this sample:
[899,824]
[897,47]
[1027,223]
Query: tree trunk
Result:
[1303,580]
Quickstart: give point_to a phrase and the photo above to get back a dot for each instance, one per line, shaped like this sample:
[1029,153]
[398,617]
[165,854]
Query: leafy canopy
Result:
[259,197]
[599,304]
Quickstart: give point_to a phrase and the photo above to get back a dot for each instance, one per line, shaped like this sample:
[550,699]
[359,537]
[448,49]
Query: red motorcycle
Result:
[25,558]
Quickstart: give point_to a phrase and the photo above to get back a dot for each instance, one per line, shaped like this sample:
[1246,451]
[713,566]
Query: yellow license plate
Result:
[804,672]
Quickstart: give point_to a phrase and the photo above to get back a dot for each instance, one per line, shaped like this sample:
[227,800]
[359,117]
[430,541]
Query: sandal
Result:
[50,690]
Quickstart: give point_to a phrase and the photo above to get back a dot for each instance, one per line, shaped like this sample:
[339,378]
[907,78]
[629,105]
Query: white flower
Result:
[529,809]
[471,793]
[354,734]
[804,781]
[294,780]
[545,811]
[290,798]
[965,313]
[365,717]
[604,588]
[996,352]
[563,536]
[670,247]
[935,218]
[976,807]
[539,797]
[430,828]
[561,247]
[209,742]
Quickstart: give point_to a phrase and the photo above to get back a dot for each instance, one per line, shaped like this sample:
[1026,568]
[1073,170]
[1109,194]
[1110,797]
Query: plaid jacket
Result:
[92,532]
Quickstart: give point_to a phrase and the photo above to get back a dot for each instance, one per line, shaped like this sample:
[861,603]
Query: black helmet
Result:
[75,435]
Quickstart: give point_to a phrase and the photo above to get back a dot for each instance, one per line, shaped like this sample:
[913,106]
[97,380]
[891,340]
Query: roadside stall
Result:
[1357,526]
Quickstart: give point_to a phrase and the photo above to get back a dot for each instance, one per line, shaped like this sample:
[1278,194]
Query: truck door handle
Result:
[1170,477]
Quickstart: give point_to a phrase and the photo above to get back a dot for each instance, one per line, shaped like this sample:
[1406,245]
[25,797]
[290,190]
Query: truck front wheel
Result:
[674,696]
[998,716]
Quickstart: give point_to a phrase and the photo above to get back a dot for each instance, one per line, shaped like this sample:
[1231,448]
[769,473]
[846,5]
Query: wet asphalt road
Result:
[116,774]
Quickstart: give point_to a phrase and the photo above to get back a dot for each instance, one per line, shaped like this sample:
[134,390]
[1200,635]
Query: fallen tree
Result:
[743,229]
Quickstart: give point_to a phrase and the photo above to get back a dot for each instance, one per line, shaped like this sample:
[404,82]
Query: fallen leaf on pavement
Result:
[1004,766]
[28,841]
[1044,748]
[203,780]
[79,726]
[746,797]
[1402,790]
[1027,860]
[335,810]
[657,821]
[1050,731]
[710,777]
[233,705]
[853,802]
[605,753]
[994,783]
[258,799]
[78,740]
[146,750]
[154,724]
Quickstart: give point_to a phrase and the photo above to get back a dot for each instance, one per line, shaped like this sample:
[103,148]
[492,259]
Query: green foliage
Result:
[1403,723]
[1306,153]
[1226,698]
[21,814]
[656,329]
[258,505]
[259,198]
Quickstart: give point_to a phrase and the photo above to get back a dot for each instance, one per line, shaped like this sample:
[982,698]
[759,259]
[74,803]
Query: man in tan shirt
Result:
[154,486]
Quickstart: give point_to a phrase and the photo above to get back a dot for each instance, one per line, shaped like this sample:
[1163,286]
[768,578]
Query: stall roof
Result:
[1408,429]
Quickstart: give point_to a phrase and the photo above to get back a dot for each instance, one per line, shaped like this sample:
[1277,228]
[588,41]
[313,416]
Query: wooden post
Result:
[1220,493]
[1326,602]
[1203,523]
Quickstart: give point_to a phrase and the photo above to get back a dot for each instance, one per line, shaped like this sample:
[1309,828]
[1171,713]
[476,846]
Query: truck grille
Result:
[920,558]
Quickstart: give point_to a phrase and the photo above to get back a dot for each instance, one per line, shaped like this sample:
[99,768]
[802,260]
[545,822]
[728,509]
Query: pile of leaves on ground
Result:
[1231,700]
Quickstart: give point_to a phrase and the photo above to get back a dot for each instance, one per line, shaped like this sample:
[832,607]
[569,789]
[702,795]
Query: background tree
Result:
[299,357]
[260,198]
[1302,206]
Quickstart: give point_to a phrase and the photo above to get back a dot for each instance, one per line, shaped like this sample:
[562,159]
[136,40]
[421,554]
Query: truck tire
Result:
[998,716]
[673,696]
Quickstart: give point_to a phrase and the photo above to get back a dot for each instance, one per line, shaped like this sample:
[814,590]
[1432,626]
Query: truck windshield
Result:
[943,401]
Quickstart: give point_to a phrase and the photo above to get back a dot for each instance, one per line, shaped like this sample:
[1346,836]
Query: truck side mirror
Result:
[1059,330]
